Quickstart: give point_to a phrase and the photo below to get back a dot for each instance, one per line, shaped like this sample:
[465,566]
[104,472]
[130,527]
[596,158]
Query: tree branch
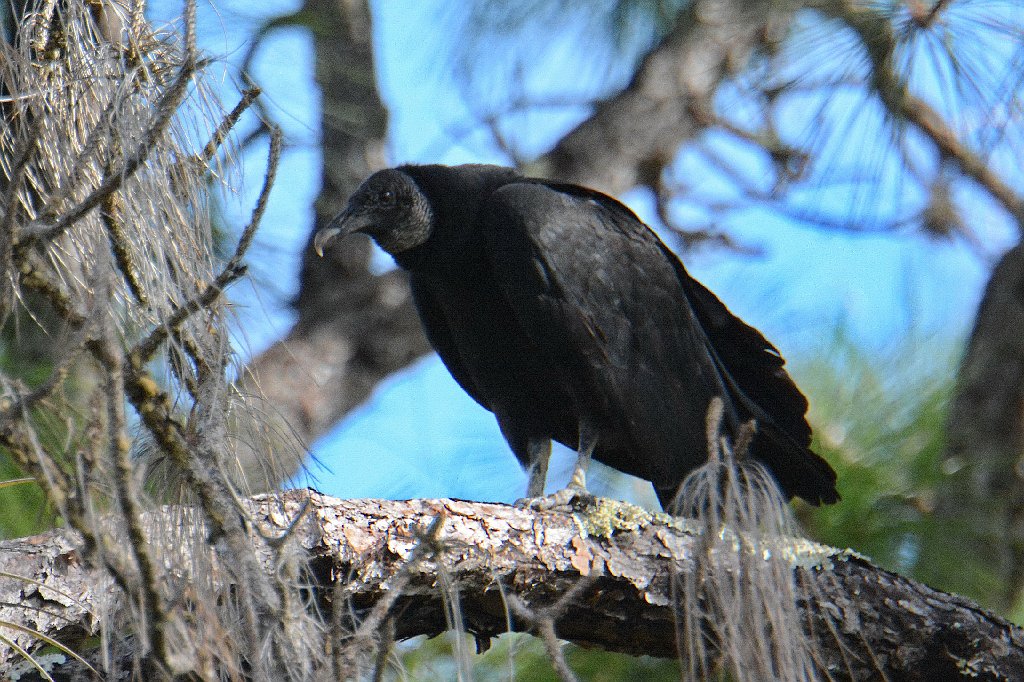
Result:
[982,499]
[868,622]
[632,135]
[875,31]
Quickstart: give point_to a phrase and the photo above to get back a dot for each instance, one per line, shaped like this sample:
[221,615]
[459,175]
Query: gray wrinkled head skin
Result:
[388,207]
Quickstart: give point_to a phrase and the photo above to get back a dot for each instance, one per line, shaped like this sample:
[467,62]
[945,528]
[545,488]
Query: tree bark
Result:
[983,498]
[867,622]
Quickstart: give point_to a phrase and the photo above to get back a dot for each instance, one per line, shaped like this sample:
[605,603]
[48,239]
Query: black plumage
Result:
[559,311]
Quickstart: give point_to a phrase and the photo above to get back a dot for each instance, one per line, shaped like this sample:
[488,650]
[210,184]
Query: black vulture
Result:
[562,313]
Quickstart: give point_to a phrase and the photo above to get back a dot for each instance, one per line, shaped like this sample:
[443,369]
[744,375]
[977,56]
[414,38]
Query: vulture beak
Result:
[346,223]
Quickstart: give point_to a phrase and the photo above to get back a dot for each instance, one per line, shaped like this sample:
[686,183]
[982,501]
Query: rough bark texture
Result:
[45,587]
[985,448]
[868,622]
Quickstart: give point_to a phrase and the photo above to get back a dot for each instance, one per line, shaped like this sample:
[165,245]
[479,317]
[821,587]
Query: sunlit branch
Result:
[220,135]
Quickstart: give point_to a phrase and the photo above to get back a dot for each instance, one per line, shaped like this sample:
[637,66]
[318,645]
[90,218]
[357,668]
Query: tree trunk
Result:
[354,328]
[982,502]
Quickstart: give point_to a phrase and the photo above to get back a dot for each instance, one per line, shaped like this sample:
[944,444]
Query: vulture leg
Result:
[575,494]
[540,454]
[588,441]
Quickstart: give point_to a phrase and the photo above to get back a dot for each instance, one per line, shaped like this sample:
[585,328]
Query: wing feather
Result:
[591,286]
[645,347]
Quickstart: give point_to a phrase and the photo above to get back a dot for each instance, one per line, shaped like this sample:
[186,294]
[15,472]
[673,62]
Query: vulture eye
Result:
[387,197]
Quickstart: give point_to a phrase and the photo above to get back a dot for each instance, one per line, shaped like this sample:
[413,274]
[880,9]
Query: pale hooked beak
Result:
[345,224]
[322,237]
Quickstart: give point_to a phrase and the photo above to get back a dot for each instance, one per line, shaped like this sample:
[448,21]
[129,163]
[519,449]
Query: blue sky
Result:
[419,435]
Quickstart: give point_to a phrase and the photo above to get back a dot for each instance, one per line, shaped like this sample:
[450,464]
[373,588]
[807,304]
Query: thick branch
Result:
[632,135]
[983,498]
[868,622]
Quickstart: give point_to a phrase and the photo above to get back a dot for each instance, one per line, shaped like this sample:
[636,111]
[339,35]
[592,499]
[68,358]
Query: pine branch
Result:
[876,34]
[632,135]
[611,592]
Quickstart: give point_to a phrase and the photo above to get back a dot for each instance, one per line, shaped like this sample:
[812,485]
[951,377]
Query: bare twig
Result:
[544,619]
[145,348]
[220,135]
[384,649]
[23,402]
[925,17]
[232,271]
[39,281]
[24,446]
[273,161]
[111,214]
[154,613]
